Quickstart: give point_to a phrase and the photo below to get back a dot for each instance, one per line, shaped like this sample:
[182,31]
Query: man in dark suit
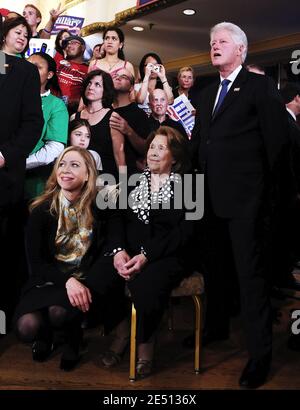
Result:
[21,122]
[240,136]
[291,96]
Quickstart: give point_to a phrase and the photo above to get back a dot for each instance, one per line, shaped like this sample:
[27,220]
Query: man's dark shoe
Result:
[41,350]
[209,336]
[256,372]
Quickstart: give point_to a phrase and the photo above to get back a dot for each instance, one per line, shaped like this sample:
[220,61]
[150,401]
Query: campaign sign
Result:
[142,3]
[182,110]
[41,44]
[70,23]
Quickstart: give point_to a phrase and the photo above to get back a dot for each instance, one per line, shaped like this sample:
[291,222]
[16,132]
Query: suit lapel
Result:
[211,99]
[233,93]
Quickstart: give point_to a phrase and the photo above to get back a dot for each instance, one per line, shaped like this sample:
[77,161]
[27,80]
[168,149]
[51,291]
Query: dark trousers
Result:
[239,246]
[13,271]
[108,291]
[150,291]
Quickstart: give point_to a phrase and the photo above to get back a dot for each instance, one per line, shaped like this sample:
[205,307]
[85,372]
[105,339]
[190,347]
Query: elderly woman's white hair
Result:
[238,35]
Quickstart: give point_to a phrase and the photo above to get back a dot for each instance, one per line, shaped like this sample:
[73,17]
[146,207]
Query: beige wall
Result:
[93,10]
[17,5]
[100,10]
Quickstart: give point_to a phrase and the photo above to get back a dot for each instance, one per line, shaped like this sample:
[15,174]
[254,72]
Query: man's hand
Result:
[55,13]
[118,123]
[78,294]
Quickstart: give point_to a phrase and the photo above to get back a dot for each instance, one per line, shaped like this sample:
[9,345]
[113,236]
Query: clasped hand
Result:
[126,266]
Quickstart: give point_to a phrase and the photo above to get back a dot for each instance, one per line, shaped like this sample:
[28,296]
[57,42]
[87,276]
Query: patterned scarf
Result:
[141,199]
[73,238]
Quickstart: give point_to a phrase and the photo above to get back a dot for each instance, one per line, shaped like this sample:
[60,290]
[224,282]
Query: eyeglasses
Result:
[73,42]
[122,77]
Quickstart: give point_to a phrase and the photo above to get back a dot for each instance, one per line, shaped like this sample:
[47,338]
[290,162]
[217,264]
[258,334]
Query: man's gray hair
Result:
[238,35]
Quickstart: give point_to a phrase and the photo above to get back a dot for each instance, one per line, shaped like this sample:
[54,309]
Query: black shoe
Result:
[294,343]
[68,364]
[255,373]
[41,350]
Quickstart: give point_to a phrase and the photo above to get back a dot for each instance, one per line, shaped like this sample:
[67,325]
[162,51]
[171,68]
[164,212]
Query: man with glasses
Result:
[129,119]
[72,71]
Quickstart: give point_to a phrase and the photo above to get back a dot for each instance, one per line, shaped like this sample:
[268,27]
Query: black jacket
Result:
[21,120]
[40,244]
[241,149]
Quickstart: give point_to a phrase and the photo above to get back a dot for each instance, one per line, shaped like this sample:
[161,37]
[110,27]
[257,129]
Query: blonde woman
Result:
[63,240]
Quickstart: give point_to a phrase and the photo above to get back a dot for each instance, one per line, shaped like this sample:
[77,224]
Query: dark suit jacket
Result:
[21,120]
[295,150]
[167,234]
[40,244]
[240,149]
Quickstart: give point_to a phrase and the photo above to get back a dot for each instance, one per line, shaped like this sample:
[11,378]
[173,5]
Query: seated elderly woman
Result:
[64,241]
[148,242]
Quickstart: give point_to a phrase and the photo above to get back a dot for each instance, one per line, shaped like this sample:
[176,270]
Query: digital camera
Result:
[154,67]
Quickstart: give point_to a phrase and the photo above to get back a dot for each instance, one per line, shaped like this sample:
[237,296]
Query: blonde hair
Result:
[182,69]
[88,193]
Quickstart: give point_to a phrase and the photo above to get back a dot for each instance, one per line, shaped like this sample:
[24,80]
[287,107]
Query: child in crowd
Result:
[80,136]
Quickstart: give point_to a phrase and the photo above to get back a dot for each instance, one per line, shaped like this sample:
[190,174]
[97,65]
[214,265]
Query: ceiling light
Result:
[138,28]
[189,12]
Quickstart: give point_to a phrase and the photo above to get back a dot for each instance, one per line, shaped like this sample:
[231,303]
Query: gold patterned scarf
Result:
[73,237]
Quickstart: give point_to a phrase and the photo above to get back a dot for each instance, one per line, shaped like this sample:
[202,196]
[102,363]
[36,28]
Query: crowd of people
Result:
[67,123]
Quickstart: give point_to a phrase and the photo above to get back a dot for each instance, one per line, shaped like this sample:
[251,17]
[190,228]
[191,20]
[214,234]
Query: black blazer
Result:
[167,234]
[21,120]
[241,147]
[295,149]
[40,245]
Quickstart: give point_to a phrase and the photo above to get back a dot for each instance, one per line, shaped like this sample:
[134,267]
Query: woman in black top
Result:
[150,238]
[64,238]
[97,95]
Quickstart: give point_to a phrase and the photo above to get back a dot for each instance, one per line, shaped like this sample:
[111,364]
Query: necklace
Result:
[111,66]
[94,111]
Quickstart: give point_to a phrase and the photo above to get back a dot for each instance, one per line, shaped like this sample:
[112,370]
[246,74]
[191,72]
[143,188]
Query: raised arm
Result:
[118,147]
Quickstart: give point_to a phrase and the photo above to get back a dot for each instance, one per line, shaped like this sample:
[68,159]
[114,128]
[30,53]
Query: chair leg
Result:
[198,330]
[132,370]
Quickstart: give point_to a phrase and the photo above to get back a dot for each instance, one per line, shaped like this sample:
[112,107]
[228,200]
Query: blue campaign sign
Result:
[142,3]
[71,23]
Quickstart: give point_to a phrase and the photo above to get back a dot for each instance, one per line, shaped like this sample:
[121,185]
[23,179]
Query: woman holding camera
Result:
[153,75]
